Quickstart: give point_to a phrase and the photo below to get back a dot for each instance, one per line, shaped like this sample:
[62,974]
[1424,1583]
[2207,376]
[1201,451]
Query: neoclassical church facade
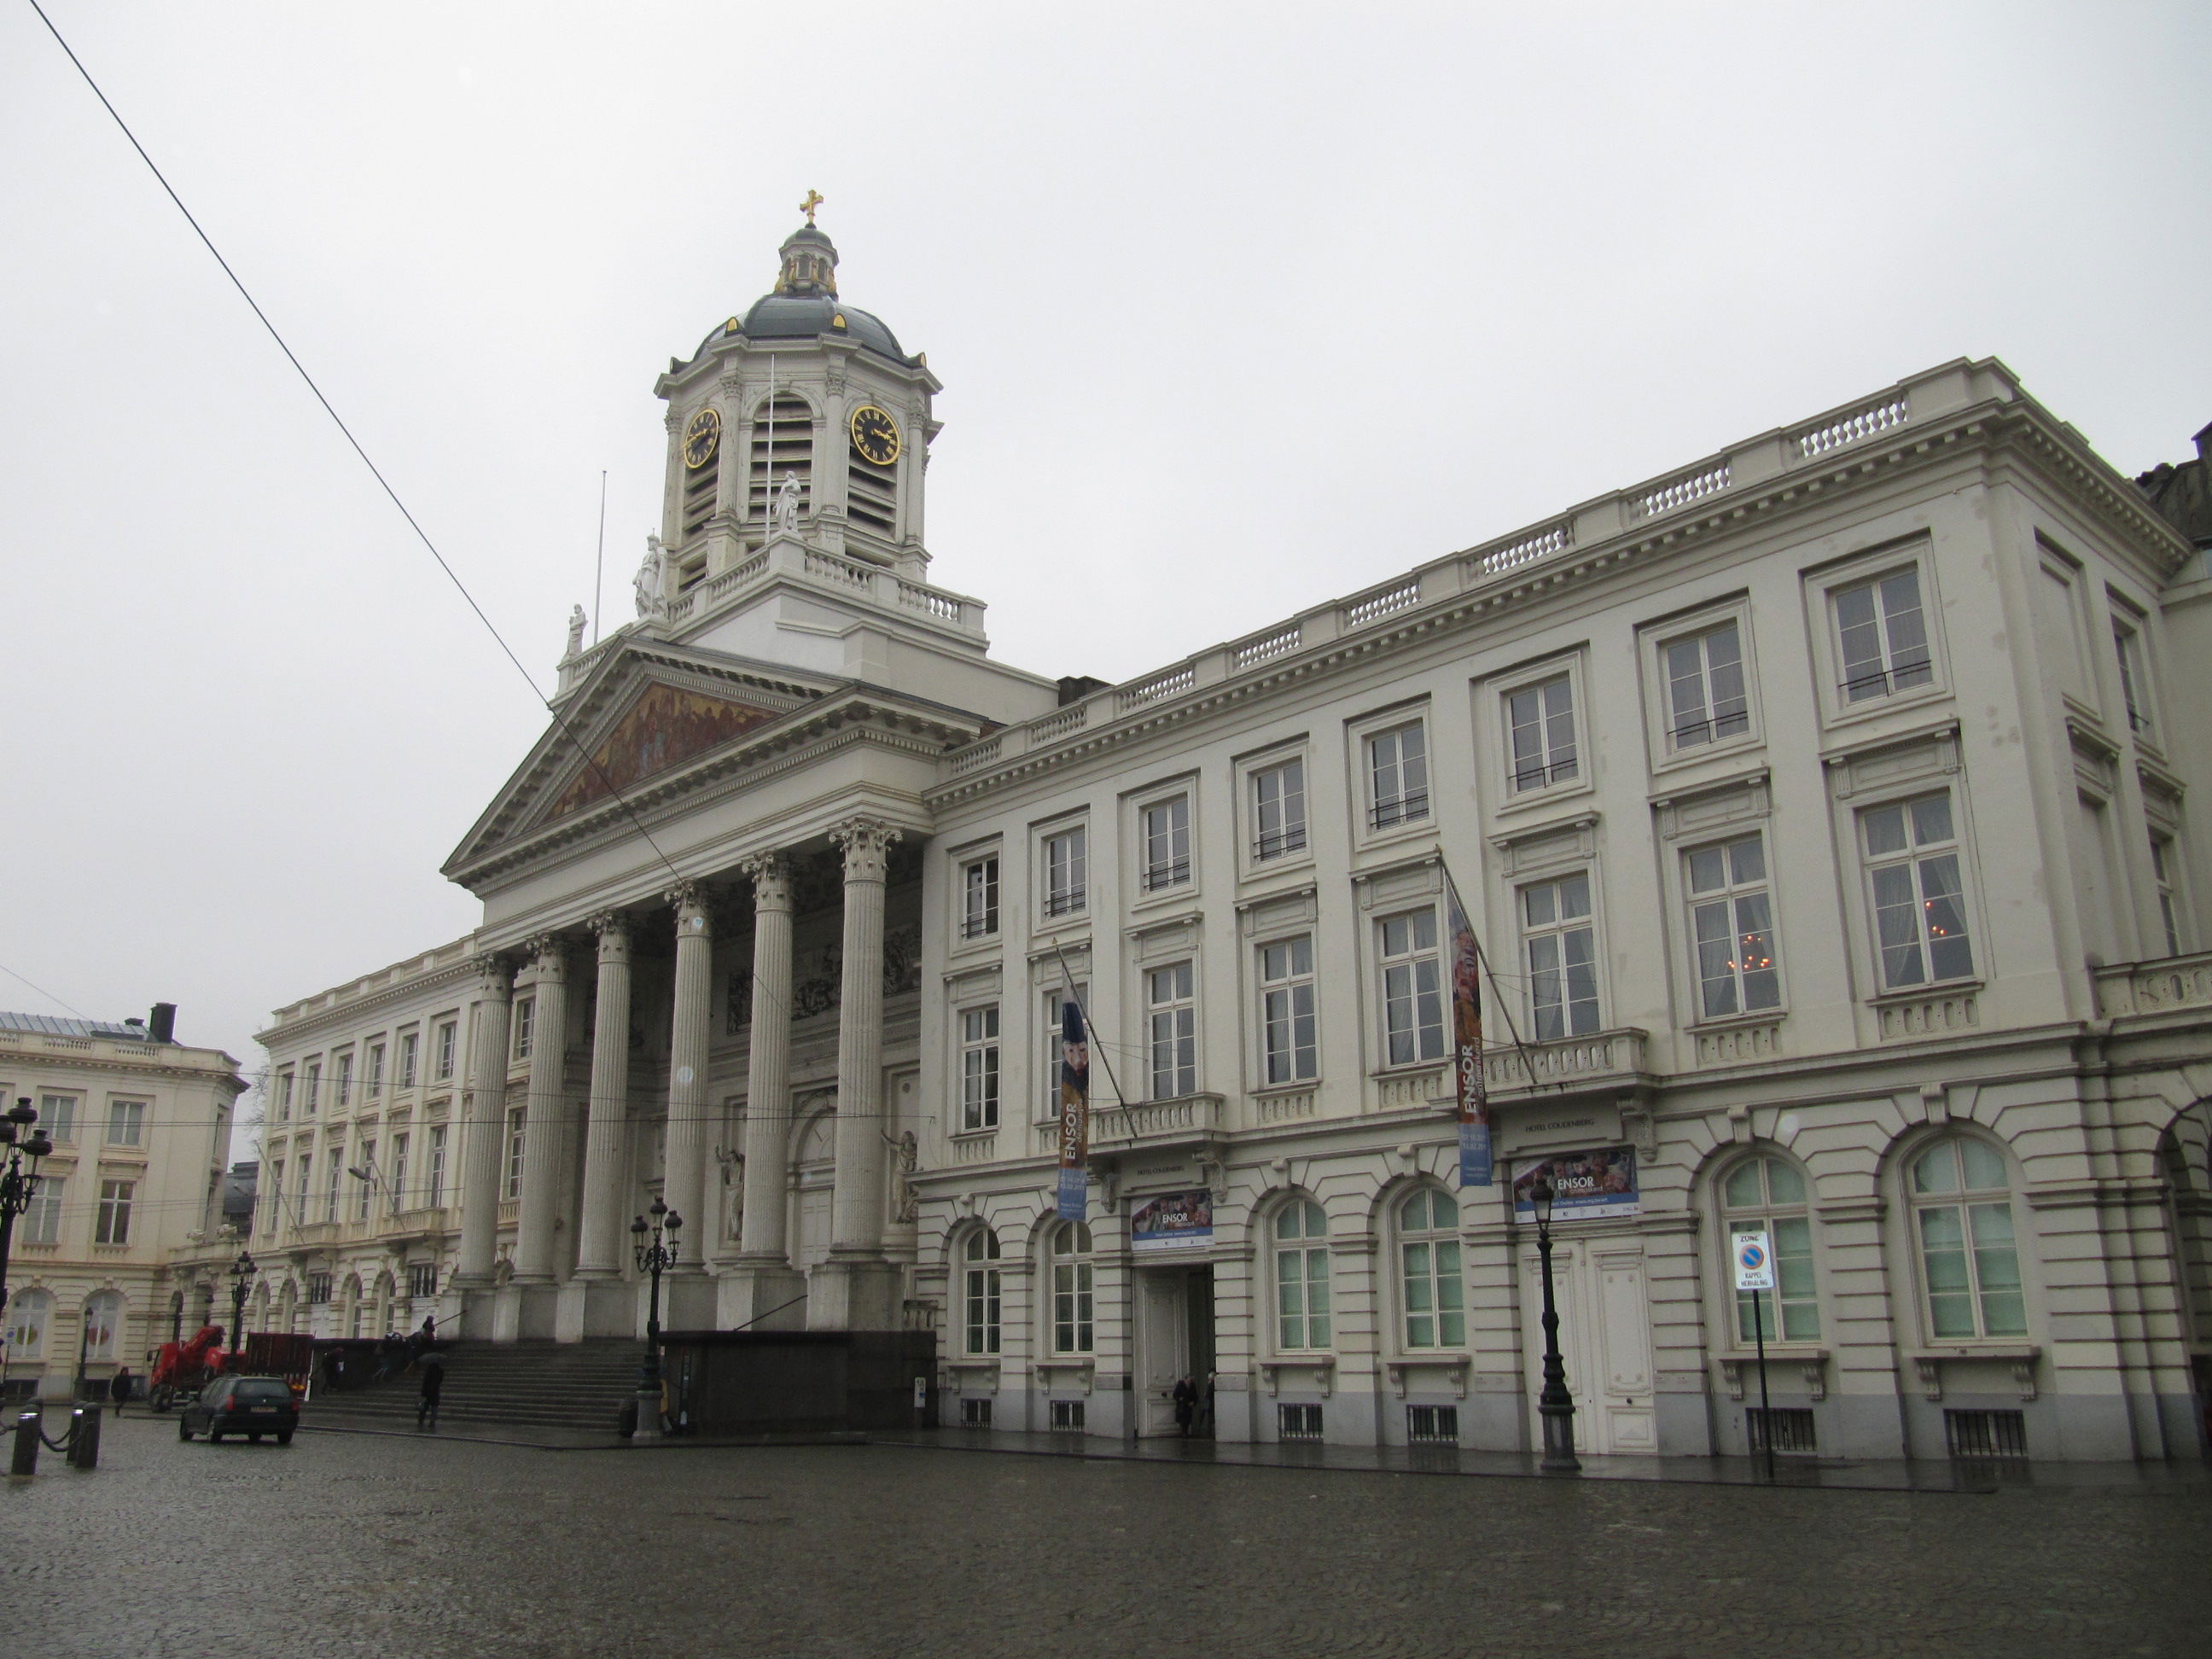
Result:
[1823,808]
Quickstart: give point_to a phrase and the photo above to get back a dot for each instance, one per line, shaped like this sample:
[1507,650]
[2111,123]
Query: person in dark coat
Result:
[118,1388]
[433,1384]
[1186,1404]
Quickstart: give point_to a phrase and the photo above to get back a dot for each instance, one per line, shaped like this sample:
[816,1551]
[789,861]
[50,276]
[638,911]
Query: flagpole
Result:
[599,560]
[1067,978]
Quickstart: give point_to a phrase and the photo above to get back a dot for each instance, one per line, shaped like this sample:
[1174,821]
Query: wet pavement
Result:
[345,1544]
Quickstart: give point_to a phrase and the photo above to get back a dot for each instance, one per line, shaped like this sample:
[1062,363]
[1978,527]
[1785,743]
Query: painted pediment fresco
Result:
[665,727]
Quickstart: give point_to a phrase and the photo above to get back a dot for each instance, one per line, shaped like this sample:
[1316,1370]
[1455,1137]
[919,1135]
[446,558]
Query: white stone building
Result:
[1821,805]
[140,1128]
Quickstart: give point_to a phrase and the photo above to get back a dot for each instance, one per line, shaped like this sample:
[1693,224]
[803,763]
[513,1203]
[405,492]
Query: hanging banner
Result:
[1476,1162]
[1586,1186]
[1173,1221]
[1074,1112]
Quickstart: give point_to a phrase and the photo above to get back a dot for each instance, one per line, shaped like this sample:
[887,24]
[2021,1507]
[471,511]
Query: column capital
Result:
[694,908]
[604,922]
[770,875]
[548,953]
[867,844]
[495,975]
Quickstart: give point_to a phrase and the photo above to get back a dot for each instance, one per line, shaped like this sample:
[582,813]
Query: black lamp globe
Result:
[1541,1194]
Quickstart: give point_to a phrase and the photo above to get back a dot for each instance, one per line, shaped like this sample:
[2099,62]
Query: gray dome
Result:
[806,317]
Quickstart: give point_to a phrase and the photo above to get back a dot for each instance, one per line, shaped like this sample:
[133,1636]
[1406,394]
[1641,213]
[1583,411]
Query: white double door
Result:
[1605,1339]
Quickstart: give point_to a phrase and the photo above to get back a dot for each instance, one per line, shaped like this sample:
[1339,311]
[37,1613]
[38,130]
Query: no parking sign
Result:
[1755,1261]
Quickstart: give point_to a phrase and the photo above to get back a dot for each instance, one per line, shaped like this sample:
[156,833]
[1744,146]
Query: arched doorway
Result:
[2185,1161]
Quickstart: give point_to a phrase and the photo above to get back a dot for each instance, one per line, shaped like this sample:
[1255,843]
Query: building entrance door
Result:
[1175,1340]
[1604,1340]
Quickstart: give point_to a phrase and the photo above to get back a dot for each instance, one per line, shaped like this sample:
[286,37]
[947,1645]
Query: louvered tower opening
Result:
[783,441]
[871,493]
[699,485]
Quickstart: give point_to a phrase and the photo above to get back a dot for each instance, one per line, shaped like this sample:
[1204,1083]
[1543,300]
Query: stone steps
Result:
[571,1385]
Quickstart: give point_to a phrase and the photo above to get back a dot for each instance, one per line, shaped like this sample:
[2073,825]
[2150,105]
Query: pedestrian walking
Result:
[434,1384]
[118,1388]
[1186,1404]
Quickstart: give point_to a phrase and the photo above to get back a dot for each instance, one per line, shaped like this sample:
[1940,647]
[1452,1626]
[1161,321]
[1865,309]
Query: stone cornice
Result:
[311,1025]
[70,1060]
[1939,440]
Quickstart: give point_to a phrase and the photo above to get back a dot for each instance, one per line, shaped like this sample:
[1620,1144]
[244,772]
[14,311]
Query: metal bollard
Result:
[28,1428]
[84,1437]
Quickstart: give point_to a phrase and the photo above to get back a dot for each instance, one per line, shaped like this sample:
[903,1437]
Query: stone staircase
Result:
[575,1386]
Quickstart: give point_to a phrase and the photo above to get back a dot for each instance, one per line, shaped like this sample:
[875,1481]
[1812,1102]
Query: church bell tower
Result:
[801,413]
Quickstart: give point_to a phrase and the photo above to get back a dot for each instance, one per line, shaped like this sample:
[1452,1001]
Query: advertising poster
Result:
[1173,1221]
[1074,1114]
[1586,1186]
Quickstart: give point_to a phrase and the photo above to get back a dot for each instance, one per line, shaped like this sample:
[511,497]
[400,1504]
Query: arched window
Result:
[1071,1289]
[27,1318]
[103,1324]
[980,1290]
[1302,1276]
[1767,1195]
[1428,1271]
[1962,1216]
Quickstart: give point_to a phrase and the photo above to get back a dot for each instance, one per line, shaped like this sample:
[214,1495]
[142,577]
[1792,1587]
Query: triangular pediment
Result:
[664,726]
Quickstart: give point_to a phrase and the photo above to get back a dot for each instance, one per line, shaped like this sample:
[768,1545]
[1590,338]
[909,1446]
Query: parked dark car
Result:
[251,1406]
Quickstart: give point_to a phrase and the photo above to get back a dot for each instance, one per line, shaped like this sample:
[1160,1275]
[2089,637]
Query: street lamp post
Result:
[21,1138]
[241,1273]
[654,1257]
[1553,1404]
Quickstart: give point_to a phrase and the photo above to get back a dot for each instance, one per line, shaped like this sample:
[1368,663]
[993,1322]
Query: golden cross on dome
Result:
[814,199]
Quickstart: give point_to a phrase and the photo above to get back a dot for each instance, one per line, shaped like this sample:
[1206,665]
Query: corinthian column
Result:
[683,1184]
[541,1123]
[768,1076]
[598,1238]
[484,1113]
[861,1286]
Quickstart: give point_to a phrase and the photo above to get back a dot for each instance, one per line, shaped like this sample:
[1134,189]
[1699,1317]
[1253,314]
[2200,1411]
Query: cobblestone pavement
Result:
[419,1549]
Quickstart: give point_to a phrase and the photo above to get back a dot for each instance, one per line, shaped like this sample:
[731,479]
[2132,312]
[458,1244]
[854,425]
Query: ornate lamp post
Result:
[241,1274]
[1553,1404]
[655,1258]
[20,1139]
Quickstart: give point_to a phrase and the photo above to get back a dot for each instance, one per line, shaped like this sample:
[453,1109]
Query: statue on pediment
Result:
[652,578]
[577,622]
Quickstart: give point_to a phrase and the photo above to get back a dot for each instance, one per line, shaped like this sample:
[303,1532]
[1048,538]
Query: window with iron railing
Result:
[1397,776]
[1278,810]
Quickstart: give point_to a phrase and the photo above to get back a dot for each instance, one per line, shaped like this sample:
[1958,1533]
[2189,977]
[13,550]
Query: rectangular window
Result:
[1412,989]
[1705,700]
[398,1182]
[342,1084]
[373,1083]
[1066,872]
[364,1199]
[1789,1429]
[57,1116]
[113,1225]
[1287,1034]
[512,1189]
[445,1041]
[314,1087]
[1732,928]
[1299,1422]
[2127,646]
[1053,1001]
[1171,1030]
[1882,636]
[526,1016]
[1071,1307]
[979,1068]
[1994,1434]
[42,1222]
[1540,722]
[434,1177]
[333,1182]
[300,1201]
[423,1279]
[284,1097]
[979,897]
[319,1288]
[1278,810]
[1397,776]
[1559,948]
[126,1122]
[272,1198]
[409,1045]
[982,1286]
[2169,905]
[1165,826]
[1920,911]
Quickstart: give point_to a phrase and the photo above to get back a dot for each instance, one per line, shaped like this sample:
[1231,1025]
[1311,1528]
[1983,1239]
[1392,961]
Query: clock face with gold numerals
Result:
[875,434]
[702,437]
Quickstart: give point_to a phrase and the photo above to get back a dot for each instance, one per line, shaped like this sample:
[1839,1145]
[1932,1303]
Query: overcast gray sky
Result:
[1236,307]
